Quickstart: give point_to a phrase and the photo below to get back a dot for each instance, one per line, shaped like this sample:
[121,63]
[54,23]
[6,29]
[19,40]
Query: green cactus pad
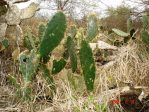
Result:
[145,22]
[53,34]
[129,25]
[58,65]
[88,65]
[13,81]
[26,93]
[41,32]
[28,64]
[48,77]
[92,27]
[72,53]
[66,54]
[145,37]
[29,42]
[120,33]
[72,31]
[5,43]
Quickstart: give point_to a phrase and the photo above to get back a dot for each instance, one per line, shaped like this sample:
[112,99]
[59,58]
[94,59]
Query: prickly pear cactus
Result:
[72,53]
[29,62]
[120,33]
[41,32]
[29,42]
[145,22]
[72,31]
[28,66]
[145,37]
[53,34]
[4,44]
[79,36]
[129,25]
[47,76]
[58,65]
[88,65]
[92,27]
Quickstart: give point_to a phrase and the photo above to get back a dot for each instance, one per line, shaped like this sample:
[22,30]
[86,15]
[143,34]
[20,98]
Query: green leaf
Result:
[53,34]
[87,65]
[120,33]
[5,43]
[72,53]
[145,37]
[145,22]
[58,65]
[14,81]
[92,27]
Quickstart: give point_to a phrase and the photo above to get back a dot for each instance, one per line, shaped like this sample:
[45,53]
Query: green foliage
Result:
[48,77]
[120,33]
[92,27]
[71,79]
[117,17]
[145,22]
[88,65]
[66,54]
[28,64]
[145,37]
[53,34]
[41,32]
[5,43]
[49,38]
[29,41]
[58,65]
[26,93]
[13,80]
[79,36]
[72,31]
[129,25]
[72,53]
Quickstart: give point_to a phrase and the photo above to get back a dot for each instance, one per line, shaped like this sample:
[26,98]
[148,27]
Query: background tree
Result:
[72,8]
[116,17]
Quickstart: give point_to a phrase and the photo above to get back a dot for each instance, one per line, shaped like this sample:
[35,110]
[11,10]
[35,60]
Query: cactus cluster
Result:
[37,55]
[39,51]
[131,32]
[127,36]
